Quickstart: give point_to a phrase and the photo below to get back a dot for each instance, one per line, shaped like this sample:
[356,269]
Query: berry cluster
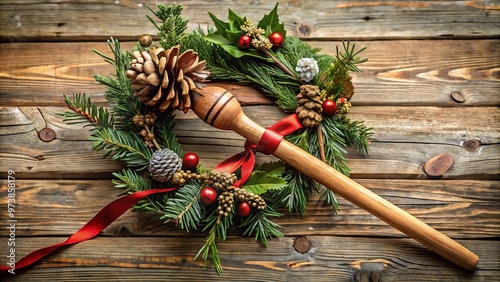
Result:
[244,200]
[254,36]
[216,179]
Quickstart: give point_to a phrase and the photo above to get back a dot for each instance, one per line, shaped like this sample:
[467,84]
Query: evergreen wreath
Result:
[151,82]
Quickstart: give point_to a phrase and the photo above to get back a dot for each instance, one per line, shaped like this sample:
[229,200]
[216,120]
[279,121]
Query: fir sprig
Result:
[131,181]
[83,110]
[122,145]
[173,26]
[119,92]
[217,227]
[258,223]
[185,209]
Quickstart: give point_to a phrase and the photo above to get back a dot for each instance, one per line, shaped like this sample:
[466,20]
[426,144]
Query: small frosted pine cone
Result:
[163,164]
[165,78]
[310,102]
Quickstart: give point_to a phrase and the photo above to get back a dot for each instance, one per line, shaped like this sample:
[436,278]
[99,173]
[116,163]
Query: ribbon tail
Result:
[99,222]
[246,168]
[232,163]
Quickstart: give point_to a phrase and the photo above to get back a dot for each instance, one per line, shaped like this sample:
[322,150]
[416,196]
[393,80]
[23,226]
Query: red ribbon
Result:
[98,223]
[268,143]
[246,160]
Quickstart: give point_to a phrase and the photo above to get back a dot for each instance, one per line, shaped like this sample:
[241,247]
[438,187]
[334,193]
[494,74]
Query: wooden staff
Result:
[218,108]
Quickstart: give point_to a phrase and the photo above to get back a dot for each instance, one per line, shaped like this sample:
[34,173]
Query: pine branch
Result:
[83,110]
[330,199]
[218,227]
[166,135]
[185,209]
[357,134]
[350,56]
[295,194]
[173,26]
[122,145]
[259,224]
[119,93]
[130,181]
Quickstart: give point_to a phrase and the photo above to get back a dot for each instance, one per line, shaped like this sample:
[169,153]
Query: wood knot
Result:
[304,29]
[369,270]
[367,276]
[438,165]
[302,245]
[457,97]
[471,145]
[46,134]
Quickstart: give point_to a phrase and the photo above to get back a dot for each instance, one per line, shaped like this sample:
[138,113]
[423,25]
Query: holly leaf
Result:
[260,182]
[217,38]
[234,50]
[220,25]
[235,21]
[271,23]
[272,168]
[234,36]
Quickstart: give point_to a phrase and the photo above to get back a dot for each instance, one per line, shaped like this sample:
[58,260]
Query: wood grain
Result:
[37,20]
[402,72]
[330,259]
[392,154]
[430,87]
[464,209]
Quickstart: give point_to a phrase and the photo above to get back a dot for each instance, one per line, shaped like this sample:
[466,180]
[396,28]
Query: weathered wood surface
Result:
[330,258]
[431,86]
[96,20]
[400,72]
[446,205]
[391,154]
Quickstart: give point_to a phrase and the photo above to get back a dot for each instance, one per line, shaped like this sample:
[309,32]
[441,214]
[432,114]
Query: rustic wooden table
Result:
[431,87]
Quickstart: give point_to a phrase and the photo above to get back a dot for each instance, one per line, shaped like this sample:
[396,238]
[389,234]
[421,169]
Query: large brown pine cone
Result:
[310,105]
[165,78]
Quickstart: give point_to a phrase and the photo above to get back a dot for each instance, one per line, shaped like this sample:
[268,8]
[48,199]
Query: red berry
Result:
[190,160]
[243,209]
[208,195]
[329,107]
[245,42]
[276,39]
[342,100]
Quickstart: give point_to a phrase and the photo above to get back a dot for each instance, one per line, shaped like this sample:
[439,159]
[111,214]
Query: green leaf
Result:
[217,39]
[238,53]
[260,182]
[219,24]
[271,23]
[233,50]
[272,168]
[235,21]
[234,36]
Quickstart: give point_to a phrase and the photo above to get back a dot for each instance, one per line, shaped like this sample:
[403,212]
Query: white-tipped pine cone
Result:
[163,164]
[310,105]
[165,78]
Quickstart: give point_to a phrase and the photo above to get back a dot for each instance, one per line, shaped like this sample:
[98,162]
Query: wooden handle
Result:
[219,108]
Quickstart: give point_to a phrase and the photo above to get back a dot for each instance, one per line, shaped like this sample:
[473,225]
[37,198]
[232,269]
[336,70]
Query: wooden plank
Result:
[330,259]
[83,20]
[415,73]
[407,137]
[465,209]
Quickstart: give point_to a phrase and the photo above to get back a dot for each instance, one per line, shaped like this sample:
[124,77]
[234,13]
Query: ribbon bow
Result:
[268,143]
